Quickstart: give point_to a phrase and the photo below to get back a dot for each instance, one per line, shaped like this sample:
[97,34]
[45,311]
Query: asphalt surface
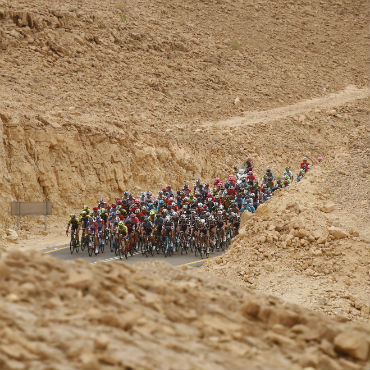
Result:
[63,252]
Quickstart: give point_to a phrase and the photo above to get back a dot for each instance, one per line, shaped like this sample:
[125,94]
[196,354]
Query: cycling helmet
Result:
[86,207]
[200,205]
[185,206]
[250,173]
[304,159]
[120,223]
[161,201]
[149,193]
[165,211]
[137,210]
[152,212]
[143,194]
[319,159]
[202,220]
[118,213]
[72,215]
[132,215]
[208,214]
[287,169]
[83,213]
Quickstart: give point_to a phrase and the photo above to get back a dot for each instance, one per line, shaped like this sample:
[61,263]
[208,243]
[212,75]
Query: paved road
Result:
[63,252]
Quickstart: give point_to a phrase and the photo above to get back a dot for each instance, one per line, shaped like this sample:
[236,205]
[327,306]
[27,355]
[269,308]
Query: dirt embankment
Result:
[309,244]
[156,316]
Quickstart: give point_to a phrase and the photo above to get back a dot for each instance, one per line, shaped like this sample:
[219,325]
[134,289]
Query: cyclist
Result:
[122,234]
[84,219]
[305,166]
[75,227]
[146,229]
[289,173]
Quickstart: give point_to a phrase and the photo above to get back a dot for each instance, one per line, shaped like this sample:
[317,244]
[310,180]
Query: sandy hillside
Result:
[309,244]
[156,316]
[102,96]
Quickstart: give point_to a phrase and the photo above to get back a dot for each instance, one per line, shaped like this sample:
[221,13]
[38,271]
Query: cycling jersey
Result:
[122,230]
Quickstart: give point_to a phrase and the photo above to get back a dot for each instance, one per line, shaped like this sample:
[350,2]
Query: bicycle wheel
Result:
[111,244]
[206,251]
[83,243]
[71,247]
[125,249]
[90,250]
[102,246]
[116,246]
[151,248]
[76,246]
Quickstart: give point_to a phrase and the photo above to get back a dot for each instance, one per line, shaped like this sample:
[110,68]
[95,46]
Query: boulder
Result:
[353,343]
[337,233]
[328,207]
[11,235]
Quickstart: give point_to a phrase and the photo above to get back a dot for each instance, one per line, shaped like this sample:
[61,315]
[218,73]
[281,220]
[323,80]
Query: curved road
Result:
[63,252]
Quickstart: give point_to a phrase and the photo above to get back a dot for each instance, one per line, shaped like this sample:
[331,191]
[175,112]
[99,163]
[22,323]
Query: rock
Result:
[328,207]
[250,308]
[353,343]
[309,359]
[300,233]
[79,279]
[354,232]
[237,101]
[11,235]
[337,233]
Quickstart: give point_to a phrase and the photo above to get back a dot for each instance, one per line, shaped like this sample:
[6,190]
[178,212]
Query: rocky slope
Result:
[156,316]
[108,95]
[309,244]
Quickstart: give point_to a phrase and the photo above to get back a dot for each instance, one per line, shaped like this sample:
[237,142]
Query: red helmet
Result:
[95,209]
[168,186]
[113,205]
